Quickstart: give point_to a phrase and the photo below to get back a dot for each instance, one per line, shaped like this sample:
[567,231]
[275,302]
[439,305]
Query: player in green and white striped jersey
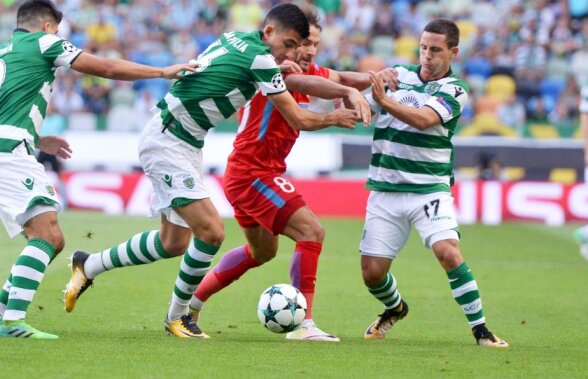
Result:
[410,177]
[231,71]
[29,203]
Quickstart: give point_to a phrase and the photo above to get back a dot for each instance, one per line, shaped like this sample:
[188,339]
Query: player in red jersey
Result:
[266,204]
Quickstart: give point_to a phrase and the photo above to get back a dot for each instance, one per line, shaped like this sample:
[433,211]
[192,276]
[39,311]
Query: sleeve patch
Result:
[278,82]
[69,47]
[445,104]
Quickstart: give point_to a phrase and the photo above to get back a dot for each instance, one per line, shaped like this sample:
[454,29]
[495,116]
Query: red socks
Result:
[303,268]
[230,268]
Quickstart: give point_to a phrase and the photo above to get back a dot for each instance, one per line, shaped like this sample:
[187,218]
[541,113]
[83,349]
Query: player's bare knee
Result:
[53,235]
[57,241]
[214,235]
[313,232]
[372,277]
[448,254]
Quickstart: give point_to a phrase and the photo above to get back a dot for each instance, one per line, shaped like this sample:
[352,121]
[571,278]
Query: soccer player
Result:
[409,178]
[28,203]
[267,204]
[581,234]
[231,71]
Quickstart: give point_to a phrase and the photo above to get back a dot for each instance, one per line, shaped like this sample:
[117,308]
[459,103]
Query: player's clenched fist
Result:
[345,118]
[356,101]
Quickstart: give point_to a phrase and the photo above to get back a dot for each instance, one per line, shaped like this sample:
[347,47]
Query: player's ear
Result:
[50,27]
[268,30]
[454,50]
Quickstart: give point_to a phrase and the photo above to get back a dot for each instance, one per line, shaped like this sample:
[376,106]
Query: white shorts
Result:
[174,168]
[390,216]
[25,190]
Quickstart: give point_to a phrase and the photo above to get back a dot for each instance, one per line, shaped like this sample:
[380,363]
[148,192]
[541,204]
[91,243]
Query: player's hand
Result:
[378,89]
[175,71]
[390,77]
[355,100]
[290,67]
[345,118]
[54,146]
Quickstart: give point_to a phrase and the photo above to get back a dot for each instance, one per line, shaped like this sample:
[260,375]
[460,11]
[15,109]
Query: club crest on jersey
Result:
[50,190]
[189,182]
[68,46]
[432,88]
[278,82]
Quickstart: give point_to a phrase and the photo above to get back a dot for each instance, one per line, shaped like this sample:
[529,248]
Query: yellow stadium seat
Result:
[543,131]
[513,173]
[407,47]
[466,29]
[563,175]
[487,124]
[500,87]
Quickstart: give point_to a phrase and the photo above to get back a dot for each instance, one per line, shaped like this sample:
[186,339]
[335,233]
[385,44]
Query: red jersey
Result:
[265,139]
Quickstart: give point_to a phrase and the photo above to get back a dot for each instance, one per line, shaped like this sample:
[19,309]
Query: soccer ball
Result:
[281,308]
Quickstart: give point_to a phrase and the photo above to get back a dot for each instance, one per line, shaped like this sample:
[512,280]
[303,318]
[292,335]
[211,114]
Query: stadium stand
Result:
[507,47]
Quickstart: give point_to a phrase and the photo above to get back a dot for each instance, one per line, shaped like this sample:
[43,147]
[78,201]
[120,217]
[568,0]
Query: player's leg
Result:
[45,241]
[208,230]
[30,205]
[261,247]
[255,212]
[304,227]
[434,218]
[143,248]
[385,232]
[464,287]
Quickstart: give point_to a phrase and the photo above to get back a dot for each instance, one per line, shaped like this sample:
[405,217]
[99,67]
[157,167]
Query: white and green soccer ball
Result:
[281,308]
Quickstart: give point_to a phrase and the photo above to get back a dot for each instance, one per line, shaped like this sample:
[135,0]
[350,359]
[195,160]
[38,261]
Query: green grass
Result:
[532,280]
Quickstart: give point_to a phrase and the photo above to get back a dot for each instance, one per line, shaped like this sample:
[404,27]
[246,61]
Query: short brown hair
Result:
[311,14]
[446,27]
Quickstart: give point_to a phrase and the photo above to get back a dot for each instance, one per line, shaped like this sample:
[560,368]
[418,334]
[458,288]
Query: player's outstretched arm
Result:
[120,69]
[361,80]
[327,89]
[420,118]
[301,119]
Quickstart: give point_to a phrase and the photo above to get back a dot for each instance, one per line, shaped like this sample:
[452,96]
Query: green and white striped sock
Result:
[194,267]
[465,291]
[27,273]
[142,248]
[386,292]
[4,294]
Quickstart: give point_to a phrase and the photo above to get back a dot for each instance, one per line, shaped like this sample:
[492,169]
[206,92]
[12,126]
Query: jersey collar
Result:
[449,73]
[21,30]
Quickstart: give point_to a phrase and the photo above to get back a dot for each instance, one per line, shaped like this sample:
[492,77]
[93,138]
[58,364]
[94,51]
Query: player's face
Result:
[306,52]
[435,56]
[282,43]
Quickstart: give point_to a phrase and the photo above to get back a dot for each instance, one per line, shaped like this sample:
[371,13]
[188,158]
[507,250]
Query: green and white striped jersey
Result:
[27,70]
[405,159]
[231,71]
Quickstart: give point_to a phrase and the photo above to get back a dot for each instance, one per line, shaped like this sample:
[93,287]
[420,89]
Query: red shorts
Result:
[266,200]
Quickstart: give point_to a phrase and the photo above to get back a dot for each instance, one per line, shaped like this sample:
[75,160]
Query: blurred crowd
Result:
[522,59]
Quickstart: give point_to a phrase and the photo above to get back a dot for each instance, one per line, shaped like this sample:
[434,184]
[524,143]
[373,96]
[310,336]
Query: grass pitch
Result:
[532,280]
